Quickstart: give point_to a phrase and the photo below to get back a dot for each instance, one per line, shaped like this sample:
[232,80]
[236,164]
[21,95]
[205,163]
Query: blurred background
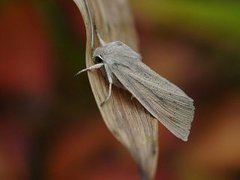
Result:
[50,127]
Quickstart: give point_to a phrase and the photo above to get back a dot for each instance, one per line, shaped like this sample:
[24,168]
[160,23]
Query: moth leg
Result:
[93,67]
[109,87]
[109,94]
[132,97]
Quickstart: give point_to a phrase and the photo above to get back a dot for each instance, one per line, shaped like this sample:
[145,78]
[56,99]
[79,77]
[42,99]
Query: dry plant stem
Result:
[127,119]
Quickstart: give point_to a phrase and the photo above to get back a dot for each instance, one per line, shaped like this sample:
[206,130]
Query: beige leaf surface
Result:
[127,119]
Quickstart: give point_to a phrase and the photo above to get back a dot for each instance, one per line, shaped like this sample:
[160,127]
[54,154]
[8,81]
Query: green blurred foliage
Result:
[70,54]
[217,20]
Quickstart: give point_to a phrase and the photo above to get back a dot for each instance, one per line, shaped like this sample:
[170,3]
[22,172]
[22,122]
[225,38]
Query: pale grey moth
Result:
[162,99]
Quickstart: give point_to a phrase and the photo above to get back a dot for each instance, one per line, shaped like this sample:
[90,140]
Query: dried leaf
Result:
[127,119]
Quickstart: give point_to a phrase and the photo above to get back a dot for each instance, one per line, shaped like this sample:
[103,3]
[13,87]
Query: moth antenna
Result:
[102,42]
[93,67]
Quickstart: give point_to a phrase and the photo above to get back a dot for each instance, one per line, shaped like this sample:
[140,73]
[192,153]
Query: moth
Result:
[165,101]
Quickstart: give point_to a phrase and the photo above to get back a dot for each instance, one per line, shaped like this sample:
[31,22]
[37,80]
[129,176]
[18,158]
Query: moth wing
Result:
[165,101]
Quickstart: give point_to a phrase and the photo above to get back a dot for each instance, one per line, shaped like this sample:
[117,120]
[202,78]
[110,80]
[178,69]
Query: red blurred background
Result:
[50,127]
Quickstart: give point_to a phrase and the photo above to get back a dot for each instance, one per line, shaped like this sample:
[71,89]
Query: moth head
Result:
[98,59]
[98,55]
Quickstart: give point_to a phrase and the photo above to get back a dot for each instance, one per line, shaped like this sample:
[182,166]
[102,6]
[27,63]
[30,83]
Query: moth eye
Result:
[98,59]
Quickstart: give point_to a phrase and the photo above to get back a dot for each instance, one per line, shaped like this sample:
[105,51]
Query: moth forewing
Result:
[166,102]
